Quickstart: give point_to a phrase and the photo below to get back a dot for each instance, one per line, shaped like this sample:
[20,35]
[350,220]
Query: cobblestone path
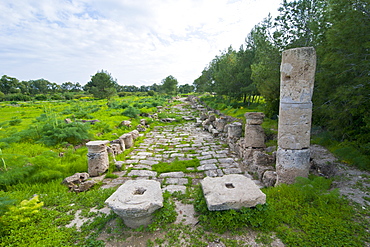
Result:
[178,142]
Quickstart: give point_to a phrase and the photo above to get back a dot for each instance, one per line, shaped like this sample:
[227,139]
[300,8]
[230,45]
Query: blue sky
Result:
[140,42]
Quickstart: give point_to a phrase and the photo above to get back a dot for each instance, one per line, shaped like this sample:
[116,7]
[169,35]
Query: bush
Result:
[41,97]
[131,112]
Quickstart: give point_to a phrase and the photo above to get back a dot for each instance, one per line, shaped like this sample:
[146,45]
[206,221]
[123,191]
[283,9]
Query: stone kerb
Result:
[232,191]
[135,201]
[98,161]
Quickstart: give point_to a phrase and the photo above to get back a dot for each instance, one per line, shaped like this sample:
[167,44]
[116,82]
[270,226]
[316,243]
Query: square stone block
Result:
[254,136]
[232,191]
[291,114]
[295,136]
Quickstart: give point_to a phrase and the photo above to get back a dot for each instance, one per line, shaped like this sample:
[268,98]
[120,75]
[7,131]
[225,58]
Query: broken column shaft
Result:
[297,80]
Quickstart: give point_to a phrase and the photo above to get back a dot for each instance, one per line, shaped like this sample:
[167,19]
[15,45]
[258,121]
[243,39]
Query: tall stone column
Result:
[98,160]
[297,80]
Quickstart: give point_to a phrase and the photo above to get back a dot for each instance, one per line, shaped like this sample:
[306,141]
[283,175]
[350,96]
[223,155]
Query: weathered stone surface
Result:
[291,164]
[294,136]
[175,188]
[234,170]
[180,181]
[142,173]
[98,161]
[135,201]
[231,192]
[219,124]
[135,134]
[207,167]
[254,136]
[234,130]
[269,178]
[127,140]
[119,164]
[76,178]
[298,67]
[253,118]
[172,175]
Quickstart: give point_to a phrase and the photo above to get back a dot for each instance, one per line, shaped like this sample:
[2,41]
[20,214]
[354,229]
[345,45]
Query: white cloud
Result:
[138,42]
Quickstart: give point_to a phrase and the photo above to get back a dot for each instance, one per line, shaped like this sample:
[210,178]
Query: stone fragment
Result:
[219,124]
[269,178]
[135,134]
[119,164]
[231,192]
[234,170]
[207,167]
[254,136]
[126,123]
[98,161]
[291,164]
[127,140]
[234,130]
[180,181]
[135,201]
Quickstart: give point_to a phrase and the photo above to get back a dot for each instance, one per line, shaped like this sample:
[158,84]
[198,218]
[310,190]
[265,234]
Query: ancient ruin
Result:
[135,201]
[98,160]
[297,80]
[232,191]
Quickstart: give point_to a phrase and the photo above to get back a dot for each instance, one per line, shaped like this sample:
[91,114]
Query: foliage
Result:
[102,85]
[306,213]
[131,112]
[165,215]
[169,85]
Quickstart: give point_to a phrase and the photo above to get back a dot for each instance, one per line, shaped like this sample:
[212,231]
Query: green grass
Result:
[176,166]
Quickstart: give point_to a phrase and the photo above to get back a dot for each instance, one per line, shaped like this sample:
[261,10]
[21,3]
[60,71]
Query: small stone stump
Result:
[254,133]
[135,201]
[232,191]
[98,161]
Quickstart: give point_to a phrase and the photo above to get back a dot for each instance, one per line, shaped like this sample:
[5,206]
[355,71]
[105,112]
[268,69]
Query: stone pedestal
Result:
[231,192]
[297,81]
[98,160]
[127,140]
[135,201]
[254,135]
[234,130]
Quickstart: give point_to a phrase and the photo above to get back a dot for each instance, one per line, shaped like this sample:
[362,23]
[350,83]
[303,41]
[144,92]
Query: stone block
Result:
[97,156]
[254,136]
[298,67]
[295,136]
[291,164]
[269,178]
[253,118]
[127,140]
[231,192]
[135,201]
[292,114]
[135,134]
[219,124]
[142,173]
[234,130]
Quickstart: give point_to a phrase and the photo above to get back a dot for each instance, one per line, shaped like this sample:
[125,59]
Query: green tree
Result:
[169,85]
[266,65]
[102,85]
[9,85]
[186,88]
[204,83]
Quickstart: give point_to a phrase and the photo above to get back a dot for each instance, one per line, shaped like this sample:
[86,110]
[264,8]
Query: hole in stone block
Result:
[287,78]
[229,185]
[139,191]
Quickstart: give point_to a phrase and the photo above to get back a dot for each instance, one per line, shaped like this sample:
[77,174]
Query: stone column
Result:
[254,135]
[297,80]
[98,161]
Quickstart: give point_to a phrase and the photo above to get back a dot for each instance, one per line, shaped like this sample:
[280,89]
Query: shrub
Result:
[131,112]
[41,97]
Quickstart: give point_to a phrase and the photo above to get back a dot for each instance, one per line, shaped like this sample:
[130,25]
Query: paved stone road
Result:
[183,142]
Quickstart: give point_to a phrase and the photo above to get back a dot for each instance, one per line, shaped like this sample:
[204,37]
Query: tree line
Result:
[102,85]
[339,30]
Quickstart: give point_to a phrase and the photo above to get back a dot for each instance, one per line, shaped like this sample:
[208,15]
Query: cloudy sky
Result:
[140,42]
